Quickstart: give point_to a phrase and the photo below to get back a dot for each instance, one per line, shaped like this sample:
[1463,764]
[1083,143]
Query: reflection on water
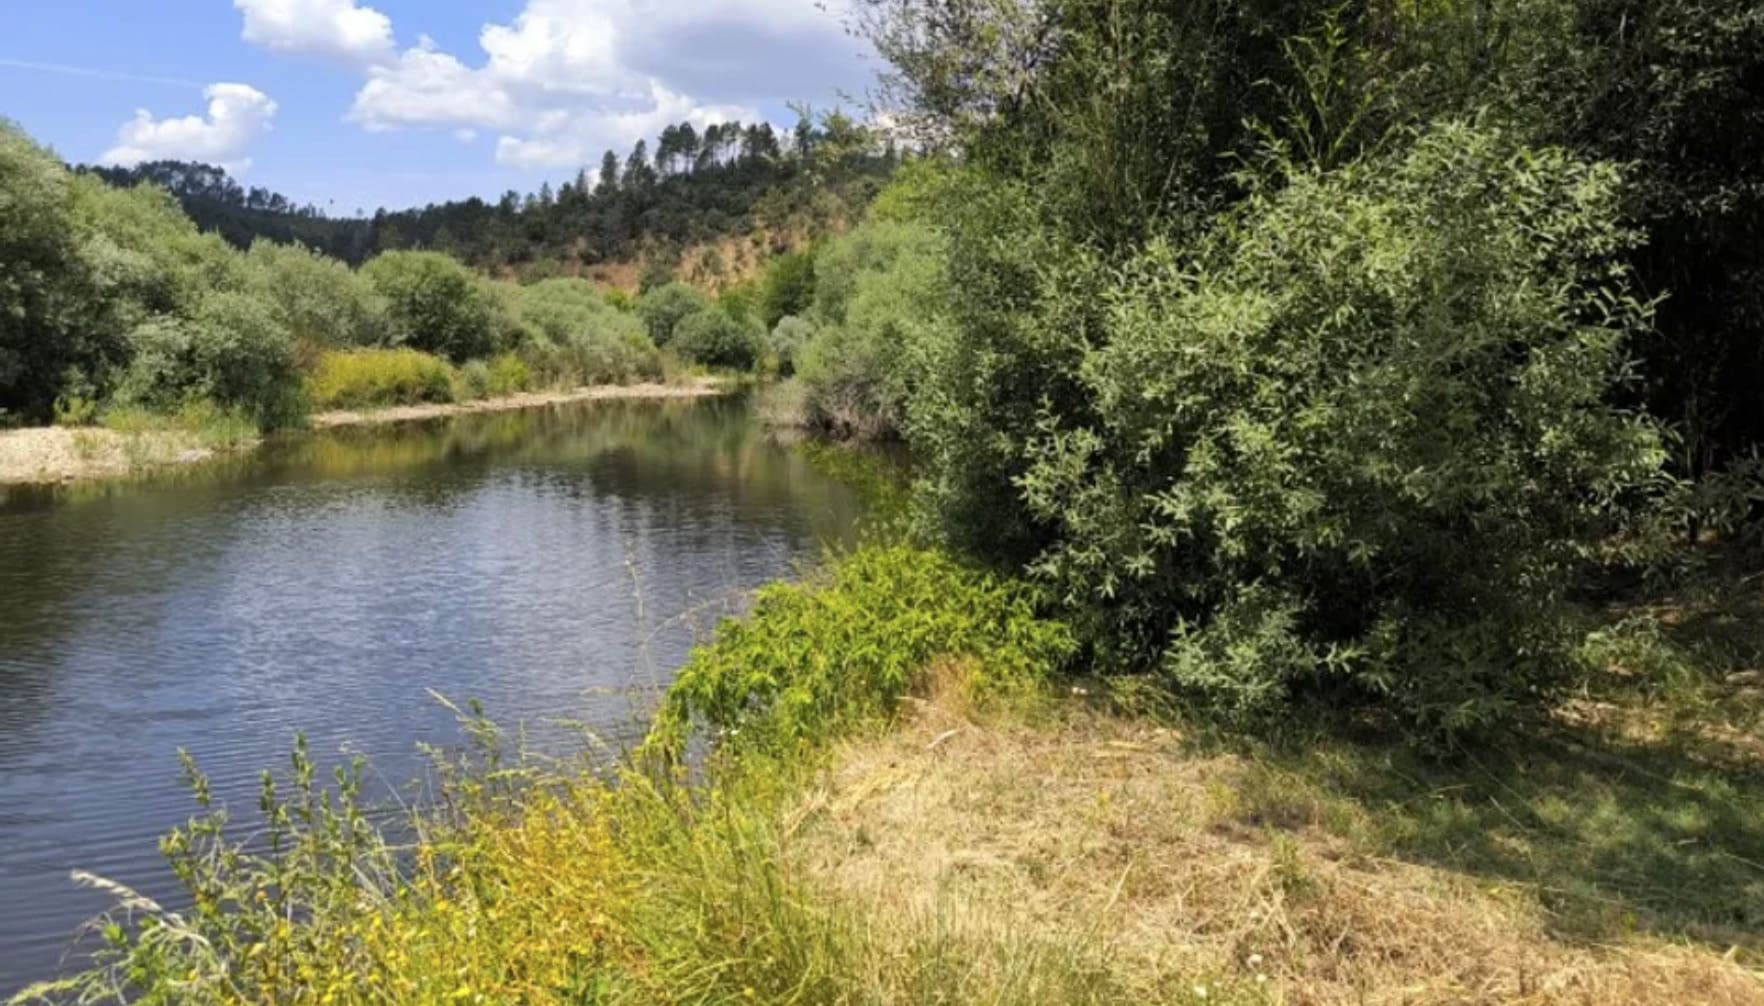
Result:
[545,562]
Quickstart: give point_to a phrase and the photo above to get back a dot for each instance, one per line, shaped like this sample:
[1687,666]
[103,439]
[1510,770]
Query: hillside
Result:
[706,205]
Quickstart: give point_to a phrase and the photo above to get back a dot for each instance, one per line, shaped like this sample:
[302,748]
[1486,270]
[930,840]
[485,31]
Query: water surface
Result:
[554,563]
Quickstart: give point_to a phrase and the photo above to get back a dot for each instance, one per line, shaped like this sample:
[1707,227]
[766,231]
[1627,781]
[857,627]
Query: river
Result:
[554,563]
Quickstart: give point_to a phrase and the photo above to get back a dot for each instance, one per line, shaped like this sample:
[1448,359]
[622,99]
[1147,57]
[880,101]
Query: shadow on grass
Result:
[1610,839]
[1637,808]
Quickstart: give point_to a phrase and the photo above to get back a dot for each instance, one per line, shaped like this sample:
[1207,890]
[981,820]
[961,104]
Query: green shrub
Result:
[882,304]
[362,378]
[788,287]
[319,300]
[787,340]
[664,307]
[471,381]
[75,409]
[53,312]
[1359,437]
[873,247]
[581,339]
[433,304]
[817,657]
[148,255]
[741,301]
[508,375]
[231,351]
[714,339]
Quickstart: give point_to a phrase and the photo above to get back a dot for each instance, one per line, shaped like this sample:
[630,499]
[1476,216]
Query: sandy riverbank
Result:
[68,454]
[696,388]
[71,454]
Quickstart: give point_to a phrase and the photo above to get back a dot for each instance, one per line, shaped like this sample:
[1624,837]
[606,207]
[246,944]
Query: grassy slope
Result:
[1578,871]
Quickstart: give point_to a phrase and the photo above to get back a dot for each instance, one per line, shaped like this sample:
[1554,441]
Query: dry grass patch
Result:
[1187,869]
[63,454]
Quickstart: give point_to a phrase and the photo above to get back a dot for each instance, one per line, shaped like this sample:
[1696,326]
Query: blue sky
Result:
[356,104]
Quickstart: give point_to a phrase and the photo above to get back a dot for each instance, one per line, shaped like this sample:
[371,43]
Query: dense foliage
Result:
[580,338]
[815,658]
[319,299]
[1297,349]
[880,304]
[113,301]
[663,308]
[219,204]
[1359,436]
[715,338]
[433,304]
[47,288]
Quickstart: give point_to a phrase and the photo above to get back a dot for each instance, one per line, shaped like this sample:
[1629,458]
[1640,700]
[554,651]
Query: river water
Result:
[555,564]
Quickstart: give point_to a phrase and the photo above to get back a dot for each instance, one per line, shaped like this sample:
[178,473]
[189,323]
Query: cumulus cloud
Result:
[566,140]
[237,115]
[427,87]
[334,29]
[564,79]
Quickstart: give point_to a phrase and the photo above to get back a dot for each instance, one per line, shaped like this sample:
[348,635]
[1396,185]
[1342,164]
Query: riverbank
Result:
[74,454]
[903,809]
[71,454]
[697,387]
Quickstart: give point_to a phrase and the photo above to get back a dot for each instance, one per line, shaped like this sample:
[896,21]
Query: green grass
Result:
[208,424]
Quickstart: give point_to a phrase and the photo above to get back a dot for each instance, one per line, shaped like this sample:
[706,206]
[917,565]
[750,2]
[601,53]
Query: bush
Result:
[319,300]
[362,378]
[1359,436]
[877,321]
[232,351]
[814,658]
[741,301]
[51,309]
[433,304]
[873,247]
[508,375]
[663,308]
[788,287]
[148,255]
[471,381]
[581,339]
[787,341]
[714,339]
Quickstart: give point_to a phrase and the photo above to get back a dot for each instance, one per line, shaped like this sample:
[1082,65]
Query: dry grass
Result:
[1185,866]
[65,454]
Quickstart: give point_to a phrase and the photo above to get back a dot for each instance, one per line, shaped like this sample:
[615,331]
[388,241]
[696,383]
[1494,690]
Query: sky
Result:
[359,104]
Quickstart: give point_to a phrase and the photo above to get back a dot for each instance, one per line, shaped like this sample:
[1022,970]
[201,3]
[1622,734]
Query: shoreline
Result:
[61,455]
[698,387]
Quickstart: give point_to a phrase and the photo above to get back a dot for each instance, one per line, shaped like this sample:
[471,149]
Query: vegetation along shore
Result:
[1327,572]
[36,455]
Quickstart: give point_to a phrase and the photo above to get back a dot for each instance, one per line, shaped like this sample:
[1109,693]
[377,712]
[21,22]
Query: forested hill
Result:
[689,204]
[218,203]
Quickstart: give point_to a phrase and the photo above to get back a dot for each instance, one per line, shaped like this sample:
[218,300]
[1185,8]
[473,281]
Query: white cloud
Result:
[564,79]
[237,115]
[427,87]
[567,46]
[334,29]
[575,140]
